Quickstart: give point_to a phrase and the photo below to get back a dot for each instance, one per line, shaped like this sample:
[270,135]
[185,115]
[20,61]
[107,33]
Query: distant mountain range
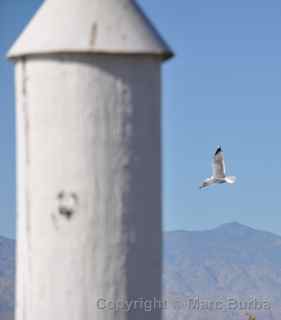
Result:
[233,265]
[216,274]
[7,278]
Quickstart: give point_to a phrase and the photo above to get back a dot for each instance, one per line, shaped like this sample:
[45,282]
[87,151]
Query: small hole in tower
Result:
[67,212]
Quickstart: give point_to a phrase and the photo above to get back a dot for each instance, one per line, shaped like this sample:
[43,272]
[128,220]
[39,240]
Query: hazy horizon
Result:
[199,230]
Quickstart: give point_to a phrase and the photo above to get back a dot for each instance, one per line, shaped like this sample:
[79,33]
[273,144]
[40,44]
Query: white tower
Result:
[89,162]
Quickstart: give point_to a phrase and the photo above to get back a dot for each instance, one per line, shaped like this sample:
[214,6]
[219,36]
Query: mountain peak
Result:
[234,225]
[232,260]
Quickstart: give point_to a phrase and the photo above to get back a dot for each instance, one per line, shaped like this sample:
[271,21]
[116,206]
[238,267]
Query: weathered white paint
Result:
[88,162]
[88,126]
[106,26]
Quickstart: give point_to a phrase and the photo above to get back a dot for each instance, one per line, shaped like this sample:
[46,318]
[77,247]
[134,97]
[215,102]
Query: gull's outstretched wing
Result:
[218,164]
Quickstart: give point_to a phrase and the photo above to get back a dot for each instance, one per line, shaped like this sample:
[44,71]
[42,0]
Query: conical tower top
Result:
[90,26]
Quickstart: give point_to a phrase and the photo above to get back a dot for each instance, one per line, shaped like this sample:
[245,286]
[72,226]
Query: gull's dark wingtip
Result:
[219,149]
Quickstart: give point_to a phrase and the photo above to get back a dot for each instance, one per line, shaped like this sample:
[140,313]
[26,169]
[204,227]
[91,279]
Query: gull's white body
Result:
[218,171]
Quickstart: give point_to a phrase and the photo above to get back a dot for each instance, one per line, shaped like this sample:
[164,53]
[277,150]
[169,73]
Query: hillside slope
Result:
[7,273]
[236,265]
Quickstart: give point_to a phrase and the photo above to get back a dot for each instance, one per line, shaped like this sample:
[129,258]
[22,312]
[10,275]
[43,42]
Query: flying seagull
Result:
[218,171]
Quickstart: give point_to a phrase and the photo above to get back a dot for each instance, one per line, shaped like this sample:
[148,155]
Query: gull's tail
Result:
[230,179]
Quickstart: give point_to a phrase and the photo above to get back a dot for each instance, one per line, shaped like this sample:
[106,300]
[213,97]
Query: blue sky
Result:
[223,87]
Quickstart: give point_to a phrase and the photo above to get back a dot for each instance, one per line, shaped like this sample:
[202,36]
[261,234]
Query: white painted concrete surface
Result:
[106,26]
[88,138]
[88,86]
